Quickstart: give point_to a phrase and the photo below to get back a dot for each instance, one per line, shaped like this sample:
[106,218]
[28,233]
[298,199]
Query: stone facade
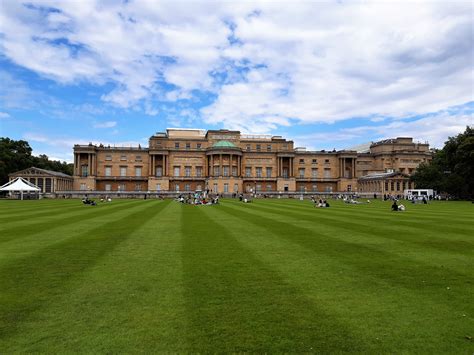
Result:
[227,161]
[47,180]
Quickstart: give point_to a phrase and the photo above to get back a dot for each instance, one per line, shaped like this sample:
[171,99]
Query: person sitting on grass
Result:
[401,208]
[394,206]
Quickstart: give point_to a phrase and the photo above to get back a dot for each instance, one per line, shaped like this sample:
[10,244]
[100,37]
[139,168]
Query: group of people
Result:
[199,198]
[244,199]
[396,207]
[87,201]
[319,203]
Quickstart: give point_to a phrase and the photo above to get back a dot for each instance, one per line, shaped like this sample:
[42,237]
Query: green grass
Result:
[270,276]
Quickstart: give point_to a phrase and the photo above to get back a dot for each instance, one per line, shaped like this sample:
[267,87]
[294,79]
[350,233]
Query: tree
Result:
[452,167]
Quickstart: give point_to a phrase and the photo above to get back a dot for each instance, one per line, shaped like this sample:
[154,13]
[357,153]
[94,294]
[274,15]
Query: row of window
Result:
[248,147]
[123,157]
[123,171]
[314,161]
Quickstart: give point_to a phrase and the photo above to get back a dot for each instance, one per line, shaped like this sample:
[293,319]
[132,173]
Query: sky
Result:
[326,74]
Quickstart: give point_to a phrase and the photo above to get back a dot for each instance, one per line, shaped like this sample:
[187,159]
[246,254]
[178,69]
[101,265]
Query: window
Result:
[138,187]
[285,188]
[301,172]
[198,188]
[138,171]
[315,161]
[386,185]
[123,171]
[188,145]
[269,188]
[226,188]
[258,147]
[159,171]
[108,157]
[404,185]
[108,171]
[176,187]
[314,173]
[234,171]
[398,186]
[198,171]
[285,147]
[216,171]
[226,171]
[326,161]
[269,147]
[138,158]
[108,187]
[392,186]
[327,173]
[158,187]
[121,187]
[248,171]
[269,172]
[258,188]
[285,172]
[83,186]
[123,157]
[198,146]
[302,188]
[187,187]
[187,171]
[176,171]
[314,188]
[84,170]
[176,145]
[301,161]
[259,172]
[214,188]
[236,188]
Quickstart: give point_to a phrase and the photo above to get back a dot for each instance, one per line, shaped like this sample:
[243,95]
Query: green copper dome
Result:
[224,144]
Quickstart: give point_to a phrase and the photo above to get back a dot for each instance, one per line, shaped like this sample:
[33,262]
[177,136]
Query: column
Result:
[353,168]
[211,169]
[230,165]
[76,163]
[220,165]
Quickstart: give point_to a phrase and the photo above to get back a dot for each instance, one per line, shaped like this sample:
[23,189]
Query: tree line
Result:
[451,170]
[16,155]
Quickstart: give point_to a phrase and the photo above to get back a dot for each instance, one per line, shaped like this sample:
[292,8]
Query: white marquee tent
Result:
[21,185]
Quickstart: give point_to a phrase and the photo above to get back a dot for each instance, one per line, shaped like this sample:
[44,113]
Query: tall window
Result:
[108,187]
[216,171]
[214,188]
[301,172]
[83,187]
[269,187]
[258,172]
[122,187]
[226,171]
[248,171]
[138,187]
[187,171]
[236,188]
[159,171]
[176,187]
[108,171]
[187,187]
[327,173]
[198,171]
[84,170]
[234,171]
[226,188]
[138,171]
[176,171]
[258,188]
[285,172]
[158,187]
[314,188]
[123,171]
[314,173]
[269,172]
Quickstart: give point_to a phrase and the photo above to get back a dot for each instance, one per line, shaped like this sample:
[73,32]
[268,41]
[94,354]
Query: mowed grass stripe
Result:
[235,303]
[404,230]
[13,208]
[411,289]
[27,284]
[30,227]
[130,301]
[335,240]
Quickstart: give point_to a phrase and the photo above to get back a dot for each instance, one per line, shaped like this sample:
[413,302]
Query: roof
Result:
[224,144]
[19,184]
[377,176]
[41,171]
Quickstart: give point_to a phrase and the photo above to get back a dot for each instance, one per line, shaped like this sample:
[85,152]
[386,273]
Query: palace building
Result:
[226,161]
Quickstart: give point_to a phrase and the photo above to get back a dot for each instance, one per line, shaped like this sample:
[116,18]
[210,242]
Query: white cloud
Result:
[269,64]
[4,115]
[106,124]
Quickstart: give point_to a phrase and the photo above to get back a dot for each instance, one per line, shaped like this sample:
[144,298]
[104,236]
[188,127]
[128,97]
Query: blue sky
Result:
[325,74]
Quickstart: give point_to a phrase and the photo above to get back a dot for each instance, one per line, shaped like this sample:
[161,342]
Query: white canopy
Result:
[20,184]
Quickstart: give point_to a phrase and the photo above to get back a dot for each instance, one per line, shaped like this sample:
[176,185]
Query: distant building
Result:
[227,161]
[47,180]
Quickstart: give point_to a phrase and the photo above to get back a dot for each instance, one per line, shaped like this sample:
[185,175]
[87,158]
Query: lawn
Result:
[269,276]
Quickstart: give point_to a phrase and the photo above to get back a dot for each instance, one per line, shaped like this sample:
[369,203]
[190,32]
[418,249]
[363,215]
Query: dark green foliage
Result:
[452,168]
[16,155]
[273,276]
